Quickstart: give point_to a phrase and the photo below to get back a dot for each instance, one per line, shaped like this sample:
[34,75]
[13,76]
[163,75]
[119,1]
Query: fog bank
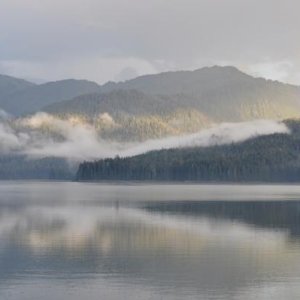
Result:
[43,135]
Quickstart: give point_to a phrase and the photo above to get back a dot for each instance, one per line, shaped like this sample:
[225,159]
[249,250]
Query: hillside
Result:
[116,102]
[33,97]
[220,93]
[155,106]
[177,82]
[133,115]
[196,99]
[274,157]
[10,85]
[223,93]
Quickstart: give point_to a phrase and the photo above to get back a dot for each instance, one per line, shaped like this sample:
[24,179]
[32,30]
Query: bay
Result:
[64,240]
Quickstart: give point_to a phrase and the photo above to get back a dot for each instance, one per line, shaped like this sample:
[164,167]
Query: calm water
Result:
[89,241]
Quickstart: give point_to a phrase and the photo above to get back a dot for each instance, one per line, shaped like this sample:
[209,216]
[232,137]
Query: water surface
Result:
[68,241]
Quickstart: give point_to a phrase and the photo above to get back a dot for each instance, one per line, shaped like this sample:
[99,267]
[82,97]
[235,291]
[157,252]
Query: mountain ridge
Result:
[9,85]
[229,70]
[217,94]
[157,105]
[33,98]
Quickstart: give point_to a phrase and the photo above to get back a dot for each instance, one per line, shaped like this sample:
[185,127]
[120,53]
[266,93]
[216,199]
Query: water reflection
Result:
[153,249]
[280,214]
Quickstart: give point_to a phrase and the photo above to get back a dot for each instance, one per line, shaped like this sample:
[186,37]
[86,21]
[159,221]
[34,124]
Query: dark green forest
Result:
[272,158]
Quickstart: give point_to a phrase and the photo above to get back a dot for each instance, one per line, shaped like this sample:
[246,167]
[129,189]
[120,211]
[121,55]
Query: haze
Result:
[105,40]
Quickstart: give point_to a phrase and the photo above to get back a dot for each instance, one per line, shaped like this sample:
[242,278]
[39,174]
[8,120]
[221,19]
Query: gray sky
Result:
[106,40]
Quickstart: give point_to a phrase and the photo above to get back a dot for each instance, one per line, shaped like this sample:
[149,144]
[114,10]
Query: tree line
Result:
[274,157]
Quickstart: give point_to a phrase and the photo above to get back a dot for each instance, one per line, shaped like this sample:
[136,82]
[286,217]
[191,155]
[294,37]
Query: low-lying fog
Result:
[43,135]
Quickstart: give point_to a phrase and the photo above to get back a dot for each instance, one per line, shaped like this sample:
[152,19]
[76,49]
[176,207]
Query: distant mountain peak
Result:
[10,85]
[210,69]
[8,77]
[69,80]
[223,70]
[31,97]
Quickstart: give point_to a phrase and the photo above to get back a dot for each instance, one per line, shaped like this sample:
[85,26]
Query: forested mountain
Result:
[182,102]
[133,115]
[117,102]
[10,85]
[266,158]
[32,98]
[220,93]
[156,106]
[199,81]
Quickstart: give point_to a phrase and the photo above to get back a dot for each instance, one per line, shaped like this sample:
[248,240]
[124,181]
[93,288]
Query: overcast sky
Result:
[105,40]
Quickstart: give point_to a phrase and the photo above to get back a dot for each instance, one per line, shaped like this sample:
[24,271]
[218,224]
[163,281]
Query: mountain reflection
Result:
[180,246]
[283,215]
[110,240]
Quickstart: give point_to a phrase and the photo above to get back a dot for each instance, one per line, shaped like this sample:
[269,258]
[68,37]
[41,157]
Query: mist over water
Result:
[43,135]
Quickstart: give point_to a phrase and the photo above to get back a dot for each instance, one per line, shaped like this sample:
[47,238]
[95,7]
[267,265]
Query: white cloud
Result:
[225,133]
[79,141]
